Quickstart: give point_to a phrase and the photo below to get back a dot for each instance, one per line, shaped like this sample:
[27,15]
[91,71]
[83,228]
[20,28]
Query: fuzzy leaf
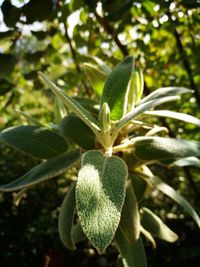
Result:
[34,140]
[190,161]
[73,105]
[100,194]
[153,224]
[133,255]
[96,77]
[174,115]
[44,171]
[144,107]
[74,129]
[165,91]
[66,219]
[136,87]
[130,218]
[160,148]
[176,196]
[115,92]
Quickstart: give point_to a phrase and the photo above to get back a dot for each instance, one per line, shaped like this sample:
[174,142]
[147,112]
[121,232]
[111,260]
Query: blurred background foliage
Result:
[56,37]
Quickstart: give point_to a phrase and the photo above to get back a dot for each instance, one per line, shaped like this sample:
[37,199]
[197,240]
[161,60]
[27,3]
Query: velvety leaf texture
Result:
[158,148]
[44,171]
[36,141]
[100,193]
[115,92]
[66,219]
[165,91]
[77,131]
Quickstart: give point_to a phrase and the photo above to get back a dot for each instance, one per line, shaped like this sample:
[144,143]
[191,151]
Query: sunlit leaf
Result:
[100,194]
[190,161]
[176,196]
[153,224]
[144,107]
[160,148]
[115,92]
[165,91]
[175,115]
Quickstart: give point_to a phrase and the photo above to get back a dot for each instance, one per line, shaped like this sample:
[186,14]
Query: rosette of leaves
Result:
[115,145]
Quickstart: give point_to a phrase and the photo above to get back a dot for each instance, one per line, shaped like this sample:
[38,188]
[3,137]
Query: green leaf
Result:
[130,218]
[100,194]
[144,107]
[59,110]
[115,92]
[77,233]
[173,194]
[190,161]
[160,148]
[73,105]
[153,224]
[74,129]
[95,76]
[174,115]
[44,171]
[91,105]
[66,219]
[165,91]
[133,255]
[139,186]
[135,88]
[36,141]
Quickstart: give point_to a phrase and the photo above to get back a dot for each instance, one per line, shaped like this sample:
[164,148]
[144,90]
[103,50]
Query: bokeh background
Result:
[56,37]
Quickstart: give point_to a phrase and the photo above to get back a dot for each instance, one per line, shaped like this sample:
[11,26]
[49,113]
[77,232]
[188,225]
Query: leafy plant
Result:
[117,143]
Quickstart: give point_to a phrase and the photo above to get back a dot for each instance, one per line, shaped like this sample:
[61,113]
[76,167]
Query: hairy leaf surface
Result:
[44,171]
[160,148]
[100,194]
[174,115]
[74,129]
[115,92]
[165,91]
[34,140]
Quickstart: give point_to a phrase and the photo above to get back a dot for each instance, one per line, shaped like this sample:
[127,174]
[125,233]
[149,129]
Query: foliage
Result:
[163,37]
[104,180]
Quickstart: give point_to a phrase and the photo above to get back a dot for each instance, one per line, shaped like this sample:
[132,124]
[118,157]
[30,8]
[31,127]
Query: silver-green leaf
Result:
[153,224]
[66,219]
[72,104]
[44,171]
[100,194]
[174,115]
[37,141]
[133,255]
[165,91]
[176,196]
[115,92]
